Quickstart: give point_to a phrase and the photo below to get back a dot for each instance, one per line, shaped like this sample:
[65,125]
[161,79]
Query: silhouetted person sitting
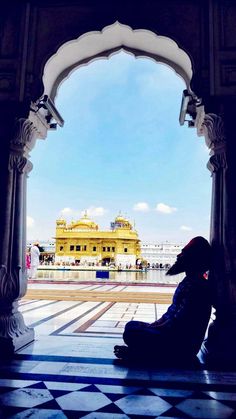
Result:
[178,334]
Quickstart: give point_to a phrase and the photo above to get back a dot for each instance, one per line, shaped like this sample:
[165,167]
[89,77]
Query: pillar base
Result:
[9,345]
[218,351]
[14,334]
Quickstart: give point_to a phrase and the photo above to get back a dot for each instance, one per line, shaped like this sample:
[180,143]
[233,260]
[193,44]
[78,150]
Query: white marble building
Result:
[163,253]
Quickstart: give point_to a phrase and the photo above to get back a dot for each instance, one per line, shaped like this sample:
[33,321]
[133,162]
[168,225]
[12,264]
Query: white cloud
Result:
[91,212]
[69,213]
[165,209]
[29,222]
[185,228]
[95,211]
[66,211]
[141,206]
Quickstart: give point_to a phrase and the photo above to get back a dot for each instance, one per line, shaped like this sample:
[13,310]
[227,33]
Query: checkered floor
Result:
[75,399]
[70,371]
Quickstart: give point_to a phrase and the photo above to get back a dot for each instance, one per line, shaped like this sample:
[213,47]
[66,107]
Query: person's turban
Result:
[198,252]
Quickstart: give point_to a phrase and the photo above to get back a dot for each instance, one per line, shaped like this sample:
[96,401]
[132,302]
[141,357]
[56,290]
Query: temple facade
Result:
[82,242]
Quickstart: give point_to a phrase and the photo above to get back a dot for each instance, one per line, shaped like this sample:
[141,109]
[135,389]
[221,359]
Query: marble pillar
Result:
[14,334]
[219,349]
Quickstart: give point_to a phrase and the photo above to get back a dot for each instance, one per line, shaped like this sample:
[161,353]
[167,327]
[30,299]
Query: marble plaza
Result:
[70,370]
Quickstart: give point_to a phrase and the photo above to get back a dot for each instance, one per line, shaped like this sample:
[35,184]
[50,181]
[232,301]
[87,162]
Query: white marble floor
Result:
[76,317]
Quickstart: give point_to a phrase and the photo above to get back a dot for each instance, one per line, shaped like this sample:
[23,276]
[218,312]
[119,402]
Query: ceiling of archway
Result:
[93,45]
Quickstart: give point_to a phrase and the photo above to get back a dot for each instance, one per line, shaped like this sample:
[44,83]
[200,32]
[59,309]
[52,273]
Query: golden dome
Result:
[61,222]
[122,223]
[119,218]
[85,223]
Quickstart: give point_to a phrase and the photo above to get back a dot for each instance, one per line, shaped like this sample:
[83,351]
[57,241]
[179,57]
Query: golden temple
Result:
[82,242]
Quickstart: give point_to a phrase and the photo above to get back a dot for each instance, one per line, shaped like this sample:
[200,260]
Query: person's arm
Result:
[180,307]
[184,300]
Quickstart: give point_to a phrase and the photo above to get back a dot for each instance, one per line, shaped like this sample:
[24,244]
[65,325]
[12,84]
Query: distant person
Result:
[34,256]
[27,262]
[178,334]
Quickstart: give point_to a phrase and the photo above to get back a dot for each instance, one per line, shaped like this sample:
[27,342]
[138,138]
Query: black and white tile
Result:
[22,398]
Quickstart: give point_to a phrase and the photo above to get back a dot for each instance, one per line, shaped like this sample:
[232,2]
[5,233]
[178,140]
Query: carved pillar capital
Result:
[212,128]
[23,136]
[23,140]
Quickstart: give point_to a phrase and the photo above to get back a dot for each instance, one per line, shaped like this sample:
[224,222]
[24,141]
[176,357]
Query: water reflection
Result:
[151,276]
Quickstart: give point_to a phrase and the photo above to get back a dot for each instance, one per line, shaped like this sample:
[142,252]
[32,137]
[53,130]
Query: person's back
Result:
[188,316]
[34,255]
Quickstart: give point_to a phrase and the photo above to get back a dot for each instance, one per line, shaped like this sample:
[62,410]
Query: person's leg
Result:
[143,342]
[33,271]
[146,343]
[134,333]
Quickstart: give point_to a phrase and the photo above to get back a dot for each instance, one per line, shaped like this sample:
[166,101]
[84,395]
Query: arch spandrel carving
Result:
[113,38]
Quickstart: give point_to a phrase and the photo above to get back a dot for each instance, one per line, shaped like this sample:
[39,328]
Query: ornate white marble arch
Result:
[113,38]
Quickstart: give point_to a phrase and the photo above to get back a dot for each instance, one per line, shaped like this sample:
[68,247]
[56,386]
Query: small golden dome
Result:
[122,222]
[61,222]
[119,218]
[85,223]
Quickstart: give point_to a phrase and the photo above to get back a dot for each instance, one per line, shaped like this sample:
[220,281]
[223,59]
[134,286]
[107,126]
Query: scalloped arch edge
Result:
[111,39]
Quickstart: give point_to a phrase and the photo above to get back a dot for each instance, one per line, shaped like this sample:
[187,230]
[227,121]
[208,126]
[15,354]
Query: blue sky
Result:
[121,149]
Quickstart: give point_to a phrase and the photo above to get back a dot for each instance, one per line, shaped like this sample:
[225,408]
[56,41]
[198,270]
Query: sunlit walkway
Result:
[100,291]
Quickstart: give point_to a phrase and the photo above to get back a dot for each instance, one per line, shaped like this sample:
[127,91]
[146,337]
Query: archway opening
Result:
[141,153]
